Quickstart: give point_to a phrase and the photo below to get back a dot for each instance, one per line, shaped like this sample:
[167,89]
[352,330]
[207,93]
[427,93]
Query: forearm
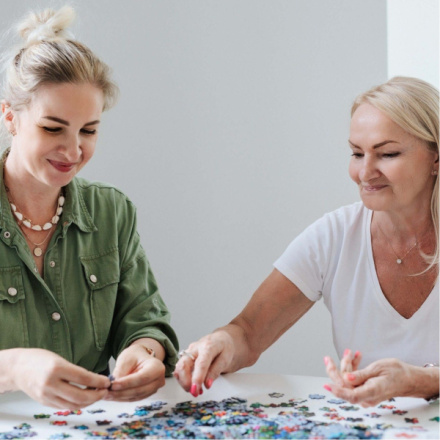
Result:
[9,358]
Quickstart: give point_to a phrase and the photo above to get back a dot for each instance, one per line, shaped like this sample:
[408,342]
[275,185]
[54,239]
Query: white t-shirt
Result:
[333,259]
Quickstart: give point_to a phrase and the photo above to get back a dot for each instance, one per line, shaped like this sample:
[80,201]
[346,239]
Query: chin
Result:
[375,204]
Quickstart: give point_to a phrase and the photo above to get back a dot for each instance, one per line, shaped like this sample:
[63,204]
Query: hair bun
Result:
[47,25]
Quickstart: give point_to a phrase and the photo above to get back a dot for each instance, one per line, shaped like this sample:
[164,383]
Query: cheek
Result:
[353,171]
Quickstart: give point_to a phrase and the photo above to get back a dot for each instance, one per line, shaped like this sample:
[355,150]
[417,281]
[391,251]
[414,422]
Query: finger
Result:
[357,360]
[134,394]
[149,373]
[346,362]
[218,367]
[358,377]
[183,372]
[332,371]
[362,394]
[78,397]
[200,372]
[79,375]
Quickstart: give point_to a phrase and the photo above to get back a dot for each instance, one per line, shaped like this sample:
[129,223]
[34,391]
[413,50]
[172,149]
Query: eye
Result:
[88,132]
[52,129]
[390,155]
[357,155]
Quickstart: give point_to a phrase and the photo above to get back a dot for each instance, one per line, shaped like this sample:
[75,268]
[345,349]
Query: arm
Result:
[275,306]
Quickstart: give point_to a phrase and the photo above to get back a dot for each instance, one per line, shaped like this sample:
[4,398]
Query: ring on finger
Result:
[186,353]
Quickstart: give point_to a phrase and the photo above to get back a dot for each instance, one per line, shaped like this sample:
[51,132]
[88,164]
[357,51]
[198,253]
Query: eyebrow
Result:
[62,121]
[380,144]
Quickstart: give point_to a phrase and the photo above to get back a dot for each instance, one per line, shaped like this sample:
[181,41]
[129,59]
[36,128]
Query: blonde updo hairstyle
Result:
[413,104]
[50,55]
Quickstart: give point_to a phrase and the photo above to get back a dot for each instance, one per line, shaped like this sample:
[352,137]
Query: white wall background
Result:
[231,137]
[413,39]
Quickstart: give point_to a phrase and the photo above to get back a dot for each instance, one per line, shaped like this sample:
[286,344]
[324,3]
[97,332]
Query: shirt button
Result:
[12,291]
[52,264]
[93,278]
[56,316]
[7,234]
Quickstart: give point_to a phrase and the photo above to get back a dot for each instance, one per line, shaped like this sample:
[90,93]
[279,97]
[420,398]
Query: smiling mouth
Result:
[64,167]
[373,188]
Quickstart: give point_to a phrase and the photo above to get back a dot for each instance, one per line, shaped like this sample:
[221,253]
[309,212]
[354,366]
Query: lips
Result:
[373,188]
[64,167]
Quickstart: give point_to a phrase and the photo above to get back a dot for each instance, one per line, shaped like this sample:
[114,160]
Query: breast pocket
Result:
[102,277]
[13,323]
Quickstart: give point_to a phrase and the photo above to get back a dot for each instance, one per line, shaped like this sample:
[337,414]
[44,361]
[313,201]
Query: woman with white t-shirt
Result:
[375,264]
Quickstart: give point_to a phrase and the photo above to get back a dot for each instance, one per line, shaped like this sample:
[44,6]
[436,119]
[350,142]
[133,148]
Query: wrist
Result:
[425,382]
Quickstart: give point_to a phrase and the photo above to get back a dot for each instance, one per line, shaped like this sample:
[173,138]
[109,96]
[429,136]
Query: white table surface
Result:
[17,408]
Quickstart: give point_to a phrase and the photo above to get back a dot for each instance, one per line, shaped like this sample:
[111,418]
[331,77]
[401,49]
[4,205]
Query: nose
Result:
[71,148]
[368,170]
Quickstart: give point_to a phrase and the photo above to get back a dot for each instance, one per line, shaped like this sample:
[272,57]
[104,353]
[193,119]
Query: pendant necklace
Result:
[38,252]
[23,221]
[399,260]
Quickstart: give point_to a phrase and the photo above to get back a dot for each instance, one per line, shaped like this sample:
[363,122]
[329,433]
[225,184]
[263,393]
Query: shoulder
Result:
[345,217]
[99,191]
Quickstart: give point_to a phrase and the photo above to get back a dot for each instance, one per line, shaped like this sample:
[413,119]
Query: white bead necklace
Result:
[28,222]
[24,221]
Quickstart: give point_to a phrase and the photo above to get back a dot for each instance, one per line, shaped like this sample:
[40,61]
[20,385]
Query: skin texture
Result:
[54,138]
[395,173]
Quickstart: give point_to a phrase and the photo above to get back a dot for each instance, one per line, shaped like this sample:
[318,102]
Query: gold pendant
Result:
[38,252]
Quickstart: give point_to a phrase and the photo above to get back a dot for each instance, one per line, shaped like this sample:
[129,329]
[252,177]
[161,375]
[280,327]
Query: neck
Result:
[35,201]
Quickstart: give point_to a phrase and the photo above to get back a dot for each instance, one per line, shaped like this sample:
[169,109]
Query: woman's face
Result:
[56,133]
[392,168]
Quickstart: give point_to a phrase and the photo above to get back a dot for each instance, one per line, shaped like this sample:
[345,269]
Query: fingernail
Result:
[326,360]
[346,351]
[193,390]
[350,376]
[209,383]
[201,391]
[357,354]
[176,375]
[328,387]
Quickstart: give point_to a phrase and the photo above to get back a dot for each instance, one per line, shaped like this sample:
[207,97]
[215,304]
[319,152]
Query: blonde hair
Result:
[413,104]
[49,55]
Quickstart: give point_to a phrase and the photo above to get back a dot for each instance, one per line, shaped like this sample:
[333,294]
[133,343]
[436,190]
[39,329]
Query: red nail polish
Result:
[346,351]
[209,383]
[351,376]
[357,354]
[201,391]
[193,390]
[327,387]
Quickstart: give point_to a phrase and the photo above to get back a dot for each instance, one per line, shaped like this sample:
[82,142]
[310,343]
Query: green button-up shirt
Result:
[98,293]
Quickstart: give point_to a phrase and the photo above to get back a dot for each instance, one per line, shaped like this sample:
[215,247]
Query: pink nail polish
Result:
[209,383]
[327,387]
[326,360]
[357,354]
[346,351]
[351,376]
[193,390]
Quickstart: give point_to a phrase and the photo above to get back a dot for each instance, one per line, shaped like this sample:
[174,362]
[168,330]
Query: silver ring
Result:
[185,353]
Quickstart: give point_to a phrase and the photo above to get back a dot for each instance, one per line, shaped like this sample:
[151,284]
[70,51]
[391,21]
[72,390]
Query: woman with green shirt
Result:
[75,284]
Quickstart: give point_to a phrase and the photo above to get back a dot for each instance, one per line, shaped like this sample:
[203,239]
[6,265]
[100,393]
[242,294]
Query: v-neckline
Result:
[378,289]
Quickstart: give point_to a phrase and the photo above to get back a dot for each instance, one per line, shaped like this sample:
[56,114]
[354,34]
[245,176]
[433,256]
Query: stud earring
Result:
[13,132]
[434,172]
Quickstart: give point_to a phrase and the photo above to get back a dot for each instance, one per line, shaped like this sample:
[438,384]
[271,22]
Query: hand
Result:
[138,375]
[379,381]
[50,379]
[213,356]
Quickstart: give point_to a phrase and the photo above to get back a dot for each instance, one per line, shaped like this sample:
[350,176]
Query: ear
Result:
[8,117]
